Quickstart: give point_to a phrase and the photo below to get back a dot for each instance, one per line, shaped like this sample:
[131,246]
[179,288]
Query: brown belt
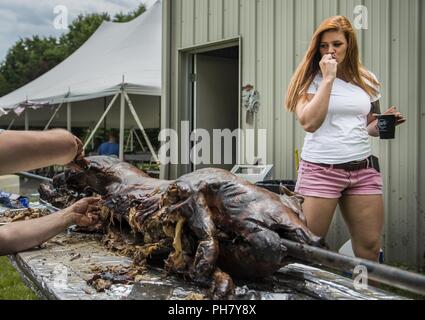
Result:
[349,166]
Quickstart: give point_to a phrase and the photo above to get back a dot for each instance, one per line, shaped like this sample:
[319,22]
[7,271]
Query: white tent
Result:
[118,58]
[115,51]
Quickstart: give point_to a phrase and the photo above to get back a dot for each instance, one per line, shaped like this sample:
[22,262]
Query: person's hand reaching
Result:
[79,163]
[81,213]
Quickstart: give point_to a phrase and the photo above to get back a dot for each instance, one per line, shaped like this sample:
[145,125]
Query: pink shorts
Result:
[329,183]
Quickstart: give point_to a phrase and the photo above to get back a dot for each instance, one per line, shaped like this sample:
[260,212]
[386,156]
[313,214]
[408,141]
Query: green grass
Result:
[11,285]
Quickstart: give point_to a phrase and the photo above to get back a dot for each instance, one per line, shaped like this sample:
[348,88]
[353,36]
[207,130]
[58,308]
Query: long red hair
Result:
[309,66]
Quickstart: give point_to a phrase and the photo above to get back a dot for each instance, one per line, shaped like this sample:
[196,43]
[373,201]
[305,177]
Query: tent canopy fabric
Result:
[116,55]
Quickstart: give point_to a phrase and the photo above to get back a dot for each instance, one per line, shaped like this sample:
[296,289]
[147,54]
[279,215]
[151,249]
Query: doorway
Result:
[215,107]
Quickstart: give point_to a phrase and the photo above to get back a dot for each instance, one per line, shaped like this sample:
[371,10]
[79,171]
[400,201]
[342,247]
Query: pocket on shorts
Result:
[313,168]
[376,176]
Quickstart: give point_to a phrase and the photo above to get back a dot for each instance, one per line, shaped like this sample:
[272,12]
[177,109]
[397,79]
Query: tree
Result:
[28,59]
[4,86]
[120,17]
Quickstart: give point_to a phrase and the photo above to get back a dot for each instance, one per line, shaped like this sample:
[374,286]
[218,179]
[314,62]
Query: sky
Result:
[25,18]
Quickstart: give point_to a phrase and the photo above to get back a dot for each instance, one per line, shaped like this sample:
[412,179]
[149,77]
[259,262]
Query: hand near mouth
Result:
[328,66]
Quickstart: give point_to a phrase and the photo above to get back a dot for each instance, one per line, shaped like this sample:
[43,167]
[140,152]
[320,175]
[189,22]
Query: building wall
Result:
[275,35]
[420,218]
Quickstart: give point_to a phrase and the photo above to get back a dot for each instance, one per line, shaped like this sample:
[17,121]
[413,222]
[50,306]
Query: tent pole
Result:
[100,121]
[68,116]
[139,123]
[53,116]
[140,142]
[104,121]
[128,141]
[11,124]
[132,140]
[27,124]
[122,124]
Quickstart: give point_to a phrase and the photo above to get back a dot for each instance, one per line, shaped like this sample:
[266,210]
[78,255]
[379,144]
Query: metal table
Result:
[61,267]
[54,273]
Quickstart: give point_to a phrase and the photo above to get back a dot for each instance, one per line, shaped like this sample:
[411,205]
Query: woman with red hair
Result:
[335,99]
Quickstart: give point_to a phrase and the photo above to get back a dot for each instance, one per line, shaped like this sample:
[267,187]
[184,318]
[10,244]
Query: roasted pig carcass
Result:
[209,225]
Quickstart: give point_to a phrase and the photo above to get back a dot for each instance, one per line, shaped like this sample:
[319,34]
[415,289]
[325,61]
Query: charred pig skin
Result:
[211,224]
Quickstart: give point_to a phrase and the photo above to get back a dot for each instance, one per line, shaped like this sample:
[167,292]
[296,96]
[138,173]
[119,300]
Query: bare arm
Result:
[372,122]
[28,150]
[311,112]
[23,235]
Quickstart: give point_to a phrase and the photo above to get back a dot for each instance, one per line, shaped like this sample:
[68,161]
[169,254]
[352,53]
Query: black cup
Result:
[386,126]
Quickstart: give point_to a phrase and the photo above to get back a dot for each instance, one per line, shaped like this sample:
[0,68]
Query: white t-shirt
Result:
[343,136]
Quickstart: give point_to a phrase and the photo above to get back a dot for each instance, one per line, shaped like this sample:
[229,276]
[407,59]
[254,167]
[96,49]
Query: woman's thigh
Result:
[364,215]
[319,213]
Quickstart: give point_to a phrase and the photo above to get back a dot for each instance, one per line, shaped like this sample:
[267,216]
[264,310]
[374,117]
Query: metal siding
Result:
[216,20]
[188,22]
[176,43]
[402,174]
[166,76]
[421,121]
[409,145]
[411,109]
[249,38]
[414,166]
[231,18]
[325,9]
[304,29]
[396,222]
[275,35]
[285,121]
[201,21]
[266,71]
[248,27]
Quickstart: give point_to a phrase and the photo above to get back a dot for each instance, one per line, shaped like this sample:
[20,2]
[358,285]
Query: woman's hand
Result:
[329,67]
[399,117]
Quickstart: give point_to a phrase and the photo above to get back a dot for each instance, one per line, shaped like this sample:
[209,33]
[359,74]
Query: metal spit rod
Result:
[391,276]
[34,176]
